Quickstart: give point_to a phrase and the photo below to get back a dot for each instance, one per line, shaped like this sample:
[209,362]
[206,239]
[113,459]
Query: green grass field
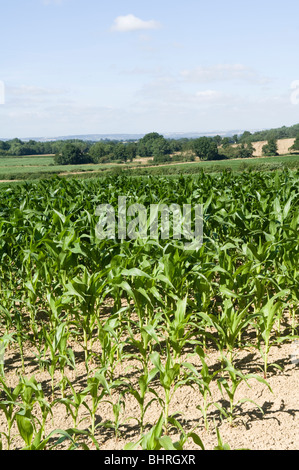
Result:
[21,167]
[28,167]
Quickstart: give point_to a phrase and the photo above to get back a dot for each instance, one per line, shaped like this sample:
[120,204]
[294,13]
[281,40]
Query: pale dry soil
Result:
[283,146]
[270,423]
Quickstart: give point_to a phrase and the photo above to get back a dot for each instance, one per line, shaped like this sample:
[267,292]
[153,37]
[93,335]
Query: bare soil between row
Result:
[269,422]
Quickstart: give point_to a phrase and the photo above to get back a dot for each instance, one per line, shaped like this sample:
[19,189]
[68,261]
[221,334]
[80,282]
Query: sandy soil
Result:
[271,423]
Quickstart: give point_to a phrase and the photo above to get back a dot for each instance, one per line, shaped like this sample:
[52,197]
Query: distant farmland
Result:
[39,166]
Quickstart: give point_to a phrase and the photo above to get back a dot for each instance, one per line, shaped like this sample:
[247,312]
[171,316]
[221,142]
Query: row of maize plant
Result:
[145,313]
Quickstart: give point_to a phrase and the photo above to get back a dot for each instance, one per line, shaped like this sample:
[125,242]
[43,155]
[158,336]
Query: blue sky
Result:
[88,66]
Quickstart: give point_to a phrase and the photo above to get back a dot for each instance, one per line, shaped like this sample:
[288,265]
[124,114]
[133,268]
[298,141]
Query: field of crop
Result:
[108,343]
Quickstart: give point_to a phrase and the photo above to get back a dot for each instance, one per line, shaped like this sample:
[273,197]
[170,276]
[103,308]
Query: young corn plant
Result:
[229,384]
[202,380]
[184,437]
[21,334]
[150,440]
[140,395]
[117,407]
[143,346]
[37,442]
[31,393]
[9,405]
[156,440]
[168,377]
[109,335]
[5,341]
[73,402]
[229,325]
[87,290]
[59,354]
[97,388]
[267,317]
[178,327]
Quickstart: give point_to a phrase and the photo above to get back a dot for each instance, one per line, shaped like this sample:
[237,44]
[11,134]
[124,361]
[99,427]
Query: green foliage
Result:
[205,148]
[71,154]
[148,304]
[104,152]
[153,144]
[283,132]
[271,148]
[295,146]
[245,150]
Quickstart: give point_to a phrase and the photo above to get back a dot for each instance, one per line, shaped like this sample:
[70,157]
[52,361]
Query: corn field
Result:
[133,314]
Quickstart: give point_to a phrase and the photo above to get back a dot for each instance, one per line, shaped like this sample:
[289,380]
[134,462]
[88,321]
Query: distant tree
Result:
[246,137]
[205,148]
[145,144]
[175,145]
[4,147]
[271,148]
[235,138]
[71,154]
[119,152]
[246,150]
[217,139]
[226,142]
[142,149]
[131,150]
[151,136]
[295,146]
[160,147]
[230,152]
[15,149]
[98,151]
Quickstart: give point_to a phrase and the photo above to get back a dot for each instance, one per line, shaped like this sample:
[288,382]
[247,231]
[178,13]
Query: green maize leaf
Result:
[166,443]
[25,427]
[134,272]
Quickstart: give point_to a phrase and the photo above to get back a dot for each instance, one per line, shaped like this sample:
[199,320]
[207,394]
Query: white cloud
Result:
[222,72]
[130,22]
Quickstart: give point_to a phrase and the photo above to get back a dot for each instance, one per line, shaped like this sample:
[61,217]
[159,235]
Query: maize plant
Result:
[140,315]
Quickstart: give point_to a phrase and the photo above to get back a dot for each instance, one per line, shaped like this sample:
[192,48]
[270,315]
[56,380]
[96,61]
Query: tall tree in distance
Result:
[205,148]
[295,146]
[71,154]
[271,148]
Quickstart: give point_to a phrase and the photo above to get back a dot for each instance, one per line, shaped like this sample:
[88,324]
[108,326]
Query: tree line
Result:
[153,144]
[17,147]
[283,132]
